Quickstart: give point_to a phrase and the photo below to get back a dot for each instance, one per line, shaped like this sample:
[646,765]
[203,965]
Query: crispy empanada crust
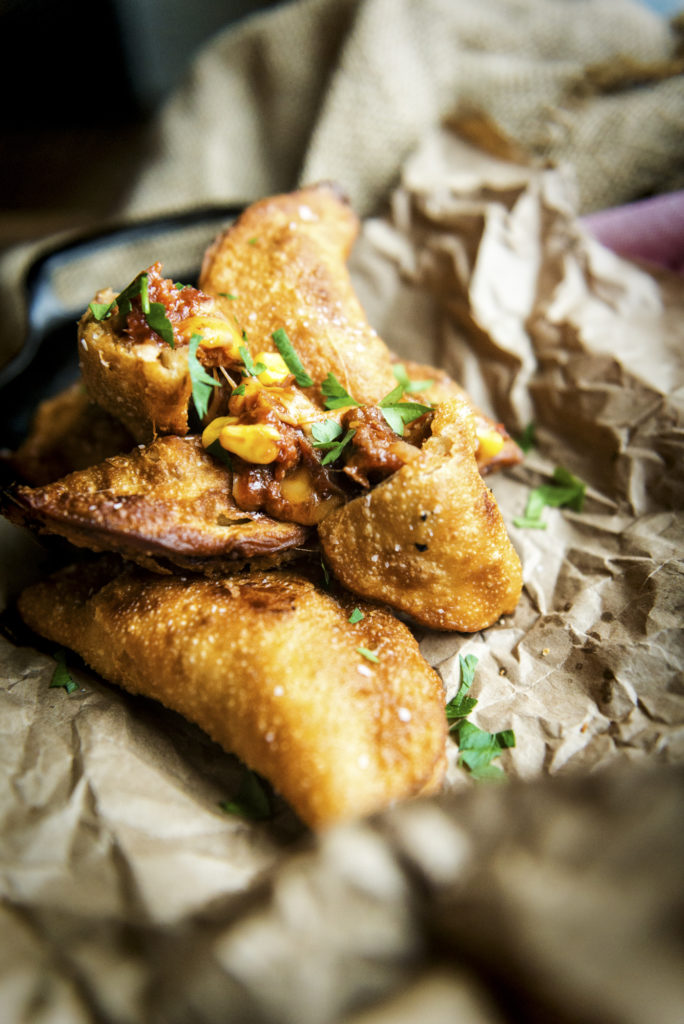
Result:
[430,540]
[283,264]
[68,432]
[269,666]
[167,504]
[146,387]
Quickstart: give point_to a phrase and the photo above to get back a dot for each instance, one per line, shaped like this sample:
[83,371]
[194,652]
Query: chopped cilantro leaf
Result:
[528,438]
[337,448]
[477,748]
[159,322]
[61,676]
[365,653]
[336,395]
[565,491]
[251,800]
[253,369]
[397,416]
[227,295]
[100,310]
[239,390]
[394,396]
[179,286]
[325,432]
[252,241]
[202,383]
[291,359]
[145,294]
[409,386]
[356,616]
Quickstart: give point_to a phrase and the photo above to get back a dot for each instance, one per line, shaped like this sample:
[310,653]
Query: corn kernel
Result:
[212,430]
[490,443]
[276,368]
[215,333]
[236,403]
[297,487]
[253,442]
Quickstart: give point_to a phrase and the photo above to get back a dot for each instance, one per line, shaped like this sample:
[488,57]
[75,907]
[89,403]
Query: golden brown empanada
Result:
[430,540]
[272,669]
[167,504]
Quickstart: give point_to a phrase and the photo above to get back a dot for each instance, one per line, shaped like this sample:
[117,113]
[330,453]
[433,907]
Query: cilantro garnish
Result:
[398,413]
[155,312]
[227,295]
[336,395]
[409,386]
[477,748]
[528,438]
[565,491]
[291,359]
[202,382]
[334,448]
[253,369]
[61,676]
[356,616]
[325,432]
[239,390]
[251,800]
[365,653]
[159,322]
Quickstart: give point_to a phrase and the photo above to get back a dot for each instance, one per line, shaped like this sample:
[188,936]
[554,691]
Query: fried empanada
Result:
[167,504]
[282,264]
[130,369]
[272,669]
[68,432]
[430,540]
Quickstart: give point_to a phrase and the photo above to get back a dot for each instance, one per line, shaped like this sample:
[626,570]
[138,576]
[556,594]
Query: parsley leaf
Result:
[336,449]
[356,616]
[251,800]
[528,438]
[565,491]
[368,655]
[398,413]
[291,359]
[253,369]
[477,748]
[61,676]
[461,705]
[100,309]
[325,432]
[335,394]
[202,383]
[159,322]
[409,386]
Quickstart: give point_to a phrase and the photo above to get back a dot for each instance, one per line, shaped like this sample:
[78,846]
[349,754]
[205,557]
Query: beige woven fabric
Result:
[345,89]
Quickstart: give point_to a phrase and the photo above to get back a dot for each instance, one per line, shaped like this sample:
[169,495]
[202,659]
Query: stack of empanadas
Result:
[269,424]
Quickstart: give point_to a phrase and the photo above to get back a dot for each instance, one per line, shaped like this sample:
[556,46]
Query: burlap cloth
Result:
[557,896]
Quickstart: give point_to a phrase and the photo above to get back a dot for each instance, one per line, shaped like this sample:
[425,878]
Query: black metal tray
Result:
[48,359]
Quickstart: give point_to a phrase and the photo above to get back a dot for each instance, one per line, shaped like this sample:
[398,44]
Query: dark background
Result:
[81,82]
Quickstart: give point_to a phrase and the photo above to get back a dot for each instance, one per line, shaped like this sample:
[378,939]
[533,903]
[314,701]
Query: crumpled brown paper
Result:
[128,895]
